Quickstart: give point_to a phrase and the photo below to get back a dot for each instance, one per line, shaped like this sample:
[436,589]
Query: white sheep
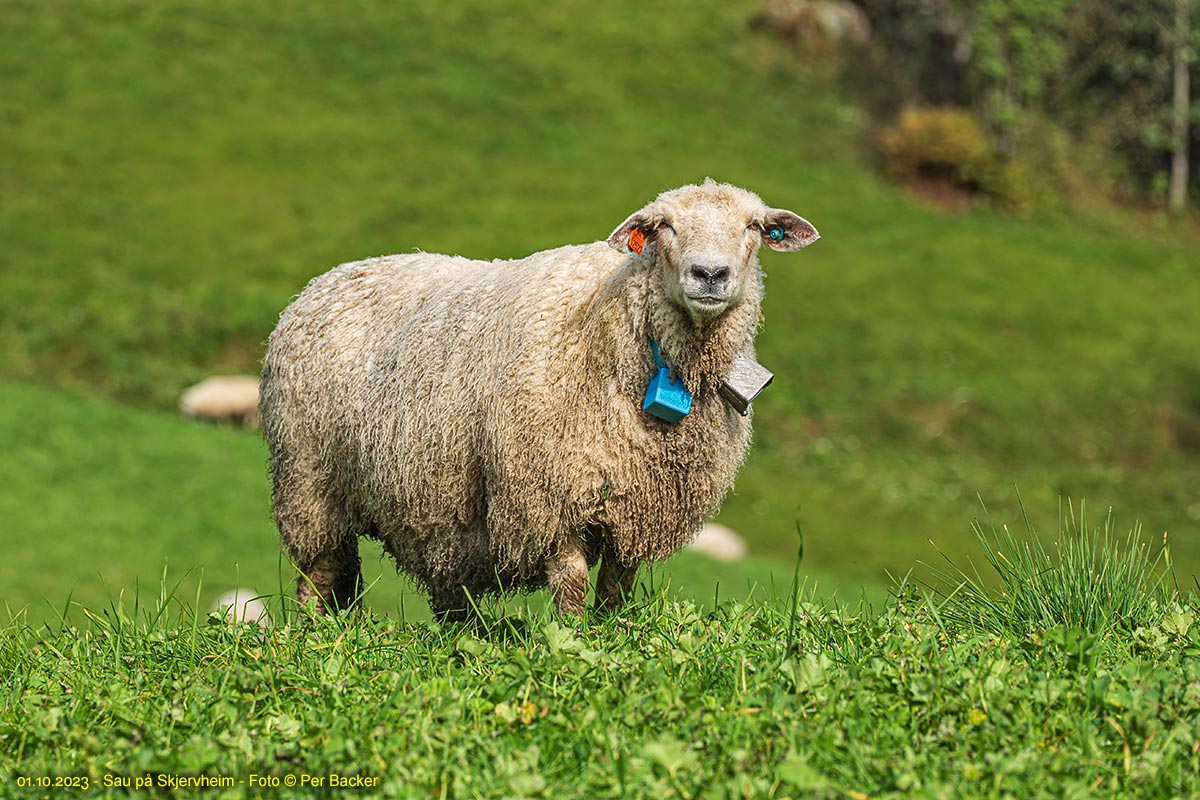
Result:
[719,542]
[243,605]
[223,398]
[484,420]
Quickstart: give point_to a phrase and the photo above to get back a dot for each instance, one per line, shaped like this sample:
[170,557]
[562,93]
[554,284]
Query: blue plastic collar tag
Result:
[666,398]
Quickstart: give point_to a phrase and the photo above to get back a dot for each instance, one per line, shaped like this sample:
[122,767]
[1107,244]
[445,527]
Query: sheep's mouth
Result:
[707,302]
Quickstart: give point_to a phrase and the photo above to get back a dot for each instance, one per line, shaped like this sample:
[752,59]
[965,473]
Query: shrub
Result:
[942,142]
[948,144]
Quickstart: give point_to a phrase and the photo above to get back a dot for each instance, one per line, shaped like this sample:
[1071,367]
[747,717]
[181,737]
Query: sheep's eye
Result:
[754,227]
[668,226]
[775,232]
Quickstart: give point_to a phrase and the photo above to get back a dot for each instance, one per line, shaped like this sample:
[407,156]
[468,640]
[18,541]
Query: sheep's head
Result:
[702,243]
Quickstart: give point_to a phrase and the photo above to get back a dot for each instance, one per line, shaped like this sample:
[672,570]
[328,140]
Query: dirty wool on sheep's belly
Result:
[666,398]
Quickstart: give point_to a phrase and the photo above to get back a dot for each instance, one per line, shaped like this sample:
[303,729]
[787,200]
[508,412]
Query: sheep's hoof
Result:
[452,616]
[608,607]
[571,607]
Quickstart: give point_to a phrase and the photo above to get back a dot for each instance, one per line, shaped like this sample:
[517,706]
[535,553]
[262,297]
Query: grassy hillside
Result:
[173,173]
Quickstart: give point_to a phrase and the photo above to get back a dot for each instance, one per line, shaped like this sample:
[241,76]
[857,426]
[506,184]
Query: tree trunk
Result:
[1181,106]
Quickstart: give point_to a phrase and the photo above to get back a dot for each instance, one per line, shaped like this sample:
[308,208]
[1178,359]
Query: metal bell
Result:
[746,378]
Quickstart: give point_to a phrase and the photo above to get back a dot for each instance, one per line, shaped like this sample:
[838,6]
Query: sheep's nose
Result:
[709,274]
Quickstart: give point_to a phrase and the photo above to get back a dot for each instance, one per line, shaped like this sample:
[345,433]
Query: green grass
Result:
[1090,580]
[782,699]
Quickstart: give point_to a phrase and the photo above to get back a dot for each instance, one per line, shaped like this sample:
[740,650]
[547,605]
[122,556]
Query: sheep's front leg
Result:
[567,574]
[614,584]
[450,605]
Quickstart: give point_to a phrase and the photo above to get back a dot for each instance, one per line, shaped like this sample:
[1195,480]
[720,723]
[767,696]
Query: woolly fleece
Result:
[484,420]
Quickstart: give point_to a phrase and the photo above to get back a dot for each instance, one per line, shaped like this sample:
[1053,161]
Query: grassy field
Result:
[779,699]
[172,173]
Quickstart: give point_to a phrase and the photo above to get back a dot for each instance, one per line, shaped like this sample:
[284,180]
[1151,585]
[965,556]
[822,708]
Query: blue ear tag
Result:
[666,398]
[776,233]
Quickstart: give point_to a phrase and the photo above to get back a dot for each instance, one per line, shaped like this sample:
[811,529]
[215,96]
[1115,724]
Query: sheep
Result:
[243,605]
[484,420]
[223,398]
[719,542]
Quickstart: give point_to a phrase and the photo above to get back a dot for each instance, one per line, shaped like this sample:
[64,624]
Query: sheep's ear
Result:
[620,238]
[797,231]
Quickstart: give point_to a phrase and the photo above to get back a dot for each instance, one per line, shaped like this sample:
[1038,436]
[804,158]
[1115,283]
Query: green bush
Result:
[948,144]
[943,142]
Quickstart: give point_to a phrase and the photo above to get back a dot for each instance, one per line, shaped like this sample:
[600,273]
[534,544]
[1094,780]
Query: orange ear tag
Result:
[637,240]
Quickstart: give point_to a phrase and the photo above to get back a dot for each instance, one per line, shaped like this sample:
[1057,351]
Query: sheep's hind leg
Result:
[321,539]
[318,531]
[567,574]
[333,577]
[614,583]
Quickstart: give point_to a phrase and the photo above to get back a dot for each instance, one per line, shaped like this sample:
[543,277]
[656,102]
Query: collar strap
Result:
[658,359]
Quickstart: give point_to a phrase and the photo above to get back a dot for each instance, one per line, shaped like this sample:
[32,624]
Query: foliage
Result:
[1100,71]
[1018,48]
[919,55]
[1116,87]
[947,144]
[945,141]
[790,699]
